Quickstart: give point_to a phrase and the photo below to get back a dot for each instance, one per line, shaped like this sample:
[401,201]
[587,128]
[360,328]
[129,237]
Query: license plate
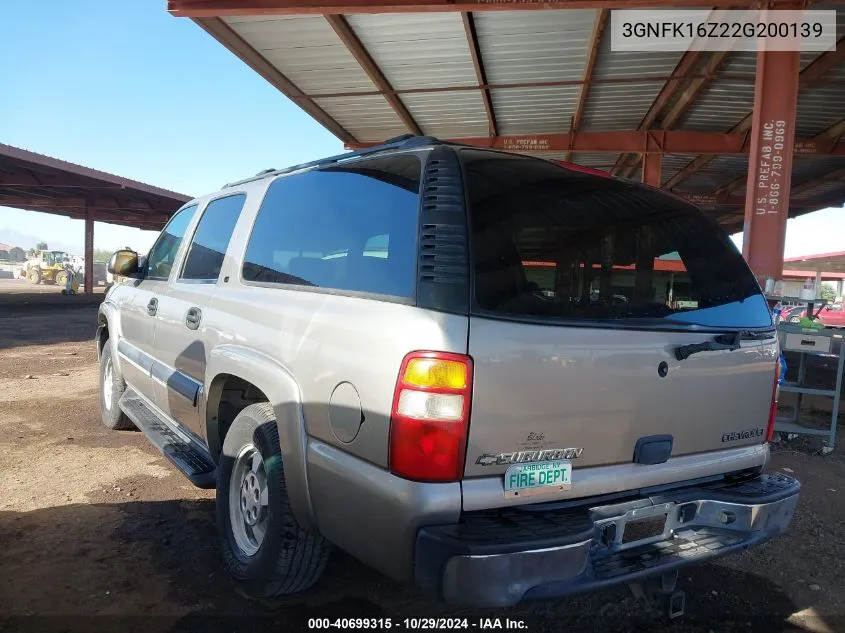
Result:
[523,480]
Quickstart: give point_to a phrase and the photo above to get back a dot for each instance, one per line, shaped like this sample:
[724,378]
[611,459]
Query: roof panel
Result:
[535,110]
[528,46]
[620,106]
[822,105]
[672,164]
[367,117]
[716,174]
[306,50]
[430,50]
[418,50]
[458,115]
[723,103]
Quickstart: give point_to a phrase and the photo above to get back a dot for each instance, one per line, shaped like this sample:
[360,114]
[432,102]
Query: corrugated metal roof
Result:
[426,56]
[672,164]
[306,50]
[723,103]
[622,106]
[822,105]
[367,117]
[716,174]
[532,46]
[462,114]
[417,50]
[428,50]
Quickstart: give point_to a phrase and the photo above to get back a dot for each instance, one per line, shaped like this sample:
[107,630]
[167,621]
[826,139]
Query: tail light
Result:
[430,416]
[773,408]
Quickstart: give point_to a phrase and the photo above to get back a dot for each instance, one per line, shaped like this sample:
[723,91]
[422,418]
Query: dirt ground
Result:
[99,532]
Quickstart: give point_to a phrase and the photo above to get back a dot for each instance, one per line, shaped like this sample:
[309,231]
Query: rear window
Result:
[550,242]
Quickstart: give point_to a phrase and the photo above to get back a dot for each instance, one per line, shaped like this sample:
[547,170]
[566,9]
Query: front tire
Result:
[264,549]
[112,387]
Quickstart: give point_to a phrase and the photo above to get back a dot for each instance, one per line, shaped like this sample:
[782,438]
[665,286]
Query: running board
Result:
[187,455]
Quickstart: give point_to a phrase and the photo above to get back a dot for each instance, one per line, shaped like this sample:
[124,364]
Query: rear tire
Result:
[264,549]
[112,387]
[34,276]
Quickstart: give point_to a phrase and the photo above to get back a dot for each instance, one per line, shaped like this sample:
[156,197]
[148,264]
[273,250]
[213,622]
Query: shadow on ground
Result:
[48,325]
[153,566]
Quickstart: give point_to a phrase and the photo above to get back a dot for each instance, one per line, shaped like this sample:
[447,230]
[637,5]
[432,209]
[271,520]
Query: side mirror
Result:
[124,263]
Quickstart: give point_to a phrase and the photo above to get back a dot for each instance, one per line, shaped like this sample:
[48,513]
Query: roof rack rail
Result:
[409,140]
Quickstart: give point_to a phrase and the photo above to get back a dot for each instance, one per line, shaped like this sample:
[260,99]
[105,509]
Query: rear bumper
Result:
[499,558]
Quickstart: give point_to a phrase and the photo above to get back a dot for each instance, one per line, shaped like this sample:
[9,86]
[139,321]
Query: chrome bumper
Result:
[701,523]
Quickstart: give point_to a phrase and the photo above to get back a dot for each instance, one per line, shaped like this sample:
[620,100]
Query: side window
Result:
[211,238]
[348,227]
[163,253]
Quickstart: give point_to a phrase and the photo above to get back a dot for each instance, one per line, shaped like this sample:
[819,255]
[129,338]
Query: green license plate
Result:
[523,480]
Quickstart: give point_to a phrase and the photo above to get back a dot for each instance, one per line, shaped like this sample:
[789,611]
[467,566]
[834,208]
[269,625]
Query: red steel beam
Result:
[480,75]
[635,141]
[592,57]
[652,169]
[770,162]
[353,45]
[521,85]
[228,8]
[811,75]
[692,90]
[221,31]
[667,92]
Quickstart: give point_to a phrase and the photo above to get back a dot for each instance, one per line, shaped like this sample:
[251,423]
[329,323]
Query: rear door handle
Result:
[152,307]
[193,318]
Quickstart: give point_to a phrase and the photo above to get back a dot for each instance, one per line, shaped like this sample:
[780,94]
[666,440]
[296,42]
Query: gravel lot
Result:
[98,531]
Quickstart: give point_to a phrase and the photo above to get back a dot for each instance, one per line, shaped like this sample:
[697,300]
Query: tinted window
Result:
[211,238]
[163,253]
[551,242]
[348,227]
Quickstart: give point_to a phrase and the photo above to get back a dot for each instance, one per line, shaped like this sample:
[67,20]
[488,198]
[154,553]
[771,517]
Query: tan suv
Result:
[491,375]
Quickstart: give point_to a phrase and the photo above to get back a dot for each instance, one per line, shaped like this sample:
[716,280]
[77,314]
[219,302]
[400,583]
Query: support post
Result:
[652,166]
[89,252]
[770,163]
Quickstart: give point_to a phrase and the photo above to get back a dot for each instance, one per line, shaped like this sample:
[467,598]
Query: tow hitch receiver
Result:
[658,593]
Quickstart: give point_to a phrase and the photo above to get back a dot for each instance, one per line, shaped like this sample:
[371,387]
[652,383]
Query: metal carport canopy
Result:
[41,183]
[539,78]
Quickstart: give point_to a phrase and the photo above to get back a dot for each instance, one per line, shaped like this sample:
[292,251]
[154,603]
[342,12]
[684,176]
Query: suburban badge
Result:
[519,457]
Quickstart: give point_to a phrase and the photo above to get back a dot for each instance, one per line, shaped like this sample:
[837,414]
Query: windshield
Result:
[552,242]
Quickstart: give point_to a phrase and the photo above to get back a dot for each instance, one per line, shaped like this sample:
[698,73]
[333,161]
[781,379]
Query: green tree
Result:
[40,246]
[102,254]
[828,293]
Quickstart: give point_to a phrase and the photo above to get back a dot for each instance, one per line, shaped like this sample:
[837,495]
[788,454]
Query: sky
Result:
[123,87]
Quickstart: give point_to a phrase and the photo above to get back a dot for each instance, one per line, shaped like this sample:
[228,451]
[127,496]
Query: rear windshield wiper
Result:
[728,342]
